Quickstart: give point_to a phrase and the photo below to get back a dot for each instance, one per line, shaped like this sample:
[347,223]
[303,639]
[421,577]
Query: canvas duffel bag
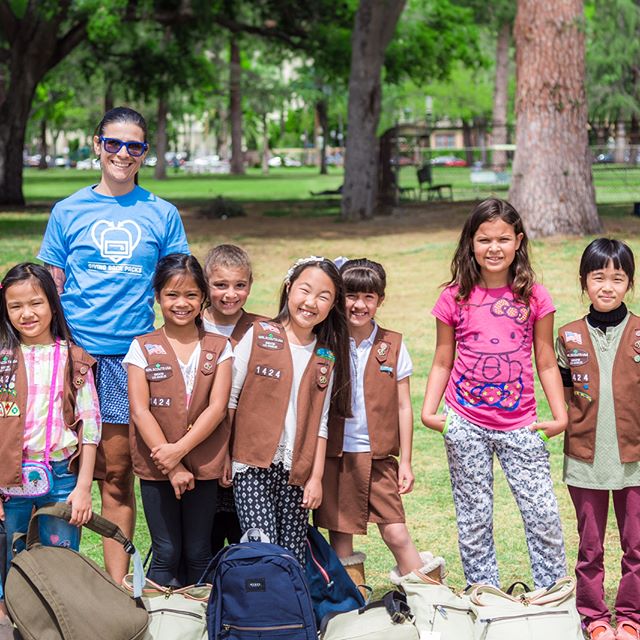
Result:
[544,614]
[387,619]
[55,593]
[174,613]
[440,611]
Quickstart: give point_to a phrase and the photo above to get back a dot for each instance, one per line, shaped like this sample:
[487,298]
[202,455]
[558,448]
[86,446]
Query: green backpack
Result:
[55,593]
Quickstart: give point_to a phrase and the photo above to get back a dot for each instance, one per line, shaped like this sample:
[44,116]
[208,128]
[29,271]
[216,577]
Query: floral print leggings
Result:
[524,459]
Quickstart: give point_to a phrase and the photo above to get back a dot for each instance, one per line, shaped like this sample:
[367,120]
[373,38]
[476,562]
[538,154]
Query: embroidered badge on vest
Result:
[270,341]
[386,369]
[577,357]
[267,326]
[573,336]
[327,354]
[155,349]
[268,372]
[157,372]
[9,410]
[159,402]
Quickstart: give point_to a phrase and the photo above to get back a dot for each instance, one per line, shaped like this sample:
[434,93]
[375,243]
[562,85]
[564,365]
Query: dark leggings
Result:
[180,530]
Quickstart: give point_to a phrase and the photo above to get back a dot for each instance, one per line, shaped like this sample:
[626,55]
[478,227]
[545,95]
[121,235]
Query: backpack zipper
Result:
[179,612]
[525,615]
[281,627]
[321,569]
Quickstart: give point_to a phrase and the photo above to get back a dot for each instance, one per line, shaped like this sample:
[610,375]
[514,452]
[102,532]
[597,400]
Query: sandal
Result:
[601,630]
[628,630]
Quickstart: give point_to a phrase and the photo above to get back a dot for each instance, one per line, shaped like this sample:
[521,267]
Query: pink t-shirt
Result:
[491,382]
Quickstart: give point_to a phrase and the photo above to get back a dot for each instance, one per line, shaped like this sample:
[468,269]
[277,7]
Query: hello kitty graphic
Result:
[494,380]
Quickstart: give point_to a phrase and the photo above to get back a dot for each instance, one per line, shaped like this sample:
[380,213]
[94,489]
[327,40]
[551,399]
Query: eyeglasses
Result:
[113,145]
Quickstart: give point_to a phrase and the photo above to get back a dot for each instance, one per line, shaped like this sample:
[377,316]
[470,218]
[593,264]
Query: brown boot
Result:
[354,566]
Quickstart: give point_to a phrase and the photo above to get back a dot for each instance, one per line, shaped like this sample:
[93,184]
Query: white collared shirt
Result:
[356,430]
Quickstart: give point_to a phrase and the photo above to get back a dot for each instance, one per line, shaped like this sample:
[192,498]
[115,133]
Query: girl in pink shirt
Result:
[488,318]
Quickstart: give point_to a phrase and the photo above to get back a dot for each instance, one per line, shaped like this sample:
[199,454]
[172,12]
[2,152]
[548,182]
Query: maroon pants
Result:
[592,506]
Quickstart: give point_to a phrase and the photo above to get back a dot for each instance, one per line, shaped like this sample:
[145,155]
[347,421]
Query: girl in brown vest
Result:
[285,373]
[49,413]
[179,381]
[602,442]
[229,275]
[363,481]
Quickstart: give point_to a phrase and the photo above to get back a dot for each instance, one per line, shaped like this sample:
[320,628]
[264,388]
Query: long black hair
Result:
[333,331]
[9,335]
[123,115]
[465,271]
[181,264]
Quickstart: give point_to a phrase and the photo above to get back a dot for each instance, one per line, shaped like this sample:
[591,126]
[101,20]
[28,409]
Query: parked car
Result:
[207,164]
[88,163]
[604,158]
[448,161]
[284,161]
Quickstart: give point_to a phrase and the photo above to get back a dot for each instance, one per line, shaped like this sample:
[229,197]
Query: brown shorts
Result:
[357,489]
[113,457]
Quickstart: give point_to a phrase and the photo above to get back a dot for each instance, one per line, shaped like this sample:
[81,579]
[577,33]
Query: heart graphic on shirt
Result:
[55,538]
[116,241]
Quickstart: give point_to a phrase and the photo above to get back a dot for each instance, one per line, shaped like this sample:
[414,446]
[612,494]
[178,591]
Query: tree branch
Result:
[8,21]
[291,39]
[69,41]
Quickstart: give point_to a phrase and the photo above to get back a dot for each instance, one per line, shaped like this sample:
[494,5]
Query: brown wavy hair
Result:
[465,271]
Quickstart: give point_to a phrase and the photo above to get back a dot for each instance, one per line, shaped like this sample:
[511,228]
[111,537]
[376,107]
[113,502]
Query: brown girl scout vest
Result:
[263,402]
[14,407]
[243,325]
[580,436]
[167,404]
[380,399]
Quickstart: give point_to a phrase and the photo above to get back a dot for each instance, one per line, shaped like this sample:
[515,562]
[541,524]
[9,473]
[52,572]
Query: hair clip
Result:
[299,262]
[340,260]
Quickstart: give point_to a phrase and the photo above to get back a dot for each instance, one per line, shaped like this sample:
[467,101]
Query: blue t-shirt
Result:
[109,247]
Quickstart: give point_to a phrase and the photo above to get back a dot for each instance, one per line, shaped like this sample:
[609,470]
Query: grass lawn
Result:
[415,245]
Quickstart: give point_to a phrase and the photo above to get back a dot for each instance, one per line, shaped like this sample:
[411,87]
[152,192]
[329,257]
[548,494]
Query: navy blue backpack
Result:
[332,590]
[259,591]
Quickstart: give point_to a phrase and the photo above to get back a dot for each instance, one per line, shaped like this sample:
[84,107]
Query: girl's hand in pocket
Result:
[434,421]
[550,428]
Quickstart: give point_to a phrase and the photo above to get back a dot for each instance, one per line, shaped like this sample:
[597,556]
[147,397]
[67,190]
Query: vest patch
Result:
[159,402]
[268,372]
[157,372]
[270,341]
[155,349]
[327,354]
[386,369]
[267,326]
[577,357]
[573,336]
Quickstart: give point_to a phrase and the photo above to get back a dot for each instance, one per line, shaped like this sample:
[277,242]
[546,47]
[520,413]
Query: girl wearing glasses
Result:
[102,245]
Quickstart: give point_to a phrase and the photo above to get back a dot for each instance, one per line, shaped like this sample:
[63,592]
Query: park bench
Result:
[433,191]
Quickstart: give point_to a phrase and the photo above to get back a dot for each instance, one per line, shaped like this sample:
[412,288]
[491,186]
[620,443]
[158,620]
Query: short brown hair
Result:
[230,256]
[364,275]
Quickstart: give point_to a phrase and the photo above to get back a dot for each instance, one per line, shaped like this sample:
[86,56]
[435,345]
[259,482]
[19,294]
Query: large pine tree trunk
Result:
[375,23]
[552,186]
[160,172]
[235,106]
[501,96]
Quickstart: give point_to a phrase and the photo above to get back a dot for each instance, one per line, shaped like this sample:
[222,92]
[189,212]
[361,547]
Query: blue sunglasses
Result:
[113,145]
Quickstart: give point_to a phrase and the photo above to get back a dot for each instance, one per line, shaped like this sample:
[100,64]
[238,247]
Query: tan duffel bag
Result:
[55,593]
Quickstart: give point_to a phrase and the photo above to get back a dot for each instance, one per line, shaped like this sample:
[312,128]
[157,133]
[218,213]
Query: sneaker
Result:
[601,630]
[628,630]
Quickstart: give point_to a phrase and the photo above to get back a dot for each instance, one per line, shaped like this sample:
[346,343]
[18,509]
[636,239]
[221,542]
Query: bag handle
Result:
[98,524]
[512,588]
[151,589]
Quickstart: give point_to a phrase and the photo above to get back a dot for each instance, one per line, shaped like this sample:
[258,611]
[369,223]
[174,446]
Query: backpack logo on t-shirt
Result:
[116,241]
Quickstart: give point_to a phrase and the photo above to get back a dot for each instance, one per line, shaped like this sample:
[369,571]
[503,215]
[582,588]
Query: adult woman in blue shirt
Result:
[102,244]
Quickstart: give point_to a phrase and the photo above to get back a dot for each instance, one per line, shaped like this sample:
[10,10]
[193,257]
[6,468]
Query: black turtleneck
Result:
[599,320]
[604,319]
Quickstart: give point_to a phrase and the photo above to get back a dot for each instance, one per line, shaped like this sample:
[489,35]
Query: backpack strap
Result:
[512,588]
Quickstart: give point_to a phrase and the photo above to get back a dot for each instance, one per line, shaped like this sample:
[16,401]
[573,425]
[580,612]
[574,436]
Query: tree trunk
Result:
[375,23]
[634,131]
[222,136]
[160,172]
[467,141]
[621,142]
[108,98]
[501,96]
[235,106]
[323,120]
[43,145]
[265,145]
[552,186]
[35,49]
